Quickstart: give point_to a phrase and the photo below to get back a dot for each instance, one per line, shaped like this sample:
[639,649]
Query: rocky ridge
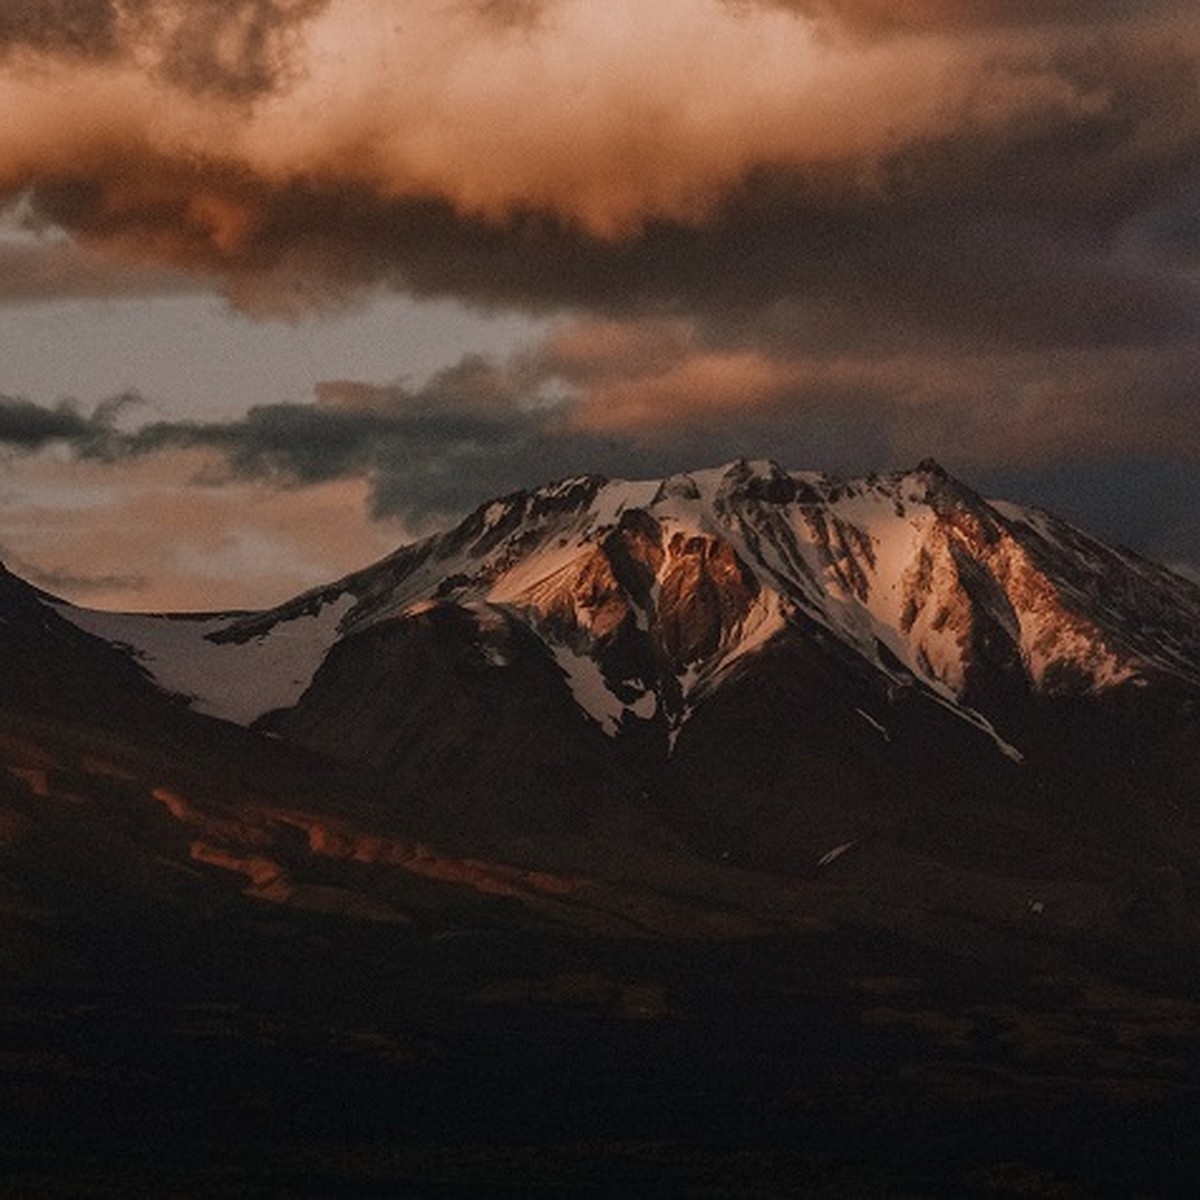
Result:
[649,593]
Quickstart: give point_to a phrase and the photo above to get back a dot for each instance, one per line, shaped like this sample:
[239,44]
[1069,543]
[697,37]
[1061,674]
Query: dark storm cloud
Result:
[420,463]
[890,17]
[25,426]
[428,453]
[84,27]
[232,48]
[238,49]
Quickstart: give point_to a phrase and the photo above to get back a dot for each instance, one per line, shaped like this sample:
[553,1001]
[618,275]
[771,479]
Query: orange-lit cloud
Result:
[137,540]
[606,116]
[981,410]
[266,141]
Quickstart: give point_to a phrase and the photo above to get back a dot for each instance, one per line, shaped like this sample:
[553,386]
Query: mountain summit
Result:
[648,595]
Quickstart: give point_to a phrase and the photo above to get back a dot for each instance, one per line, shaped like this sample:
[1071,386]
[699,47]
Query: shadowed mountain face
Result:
[582,752]
[51,666]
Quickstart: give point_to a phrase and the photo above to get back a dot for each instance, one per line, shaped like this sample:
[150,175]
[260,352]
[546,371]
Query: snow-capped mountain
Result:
[713,645]
[649,595]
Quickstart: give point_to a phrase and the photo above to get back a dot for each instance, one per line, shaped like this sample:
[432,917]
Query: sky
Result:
[285,283]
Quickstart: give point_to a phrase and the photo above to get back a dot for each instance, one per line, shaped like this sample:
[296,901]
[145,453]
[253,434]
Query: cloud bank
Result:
[951,181]
[689,155]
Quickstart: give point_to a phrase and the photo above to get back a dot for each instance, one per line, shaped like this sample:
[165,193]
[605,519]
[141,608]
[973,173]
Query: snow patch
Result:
[236,681]
[591,693]
[870,720]
[494,637]
[494,513]
[619,496]
[535,569]
[982,723]
[833,855]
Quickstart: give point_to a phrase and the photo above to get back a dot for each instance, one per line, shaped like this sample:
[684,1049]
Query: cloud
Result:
[854,409]
[425,453]
[28,426]
[235,49]
[132,538]
[648,397]
[84,27]
[886,17]
[34,271]
[970,167]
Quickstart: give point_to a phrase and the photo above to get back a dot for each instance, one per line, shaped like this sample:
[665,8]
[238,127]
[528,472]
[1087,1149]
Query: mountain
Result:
[912,572]
[775,662]
[693,749]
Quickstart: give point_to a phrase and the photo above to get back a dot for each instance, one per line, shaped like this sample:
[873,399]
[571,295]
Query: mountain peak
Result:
[763,480]
[651,595]
[931,467]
